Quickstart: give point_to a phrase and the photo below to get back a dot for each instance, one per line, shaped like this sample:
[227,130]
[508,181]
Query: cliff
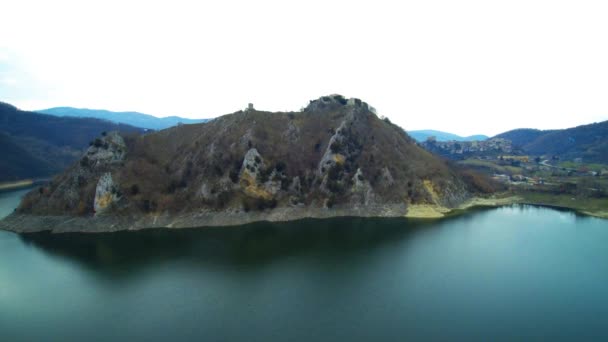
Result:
[334,158]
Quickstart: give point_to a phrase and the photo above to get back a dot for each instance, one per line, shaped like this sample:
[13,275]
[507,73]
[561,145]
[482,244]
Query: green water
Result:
[513,273]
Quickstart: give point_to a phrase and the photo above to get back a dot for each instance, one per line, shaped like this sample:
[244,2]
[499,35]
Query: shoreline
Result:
[433,211]
[25,223]
[16,185]
[597,214]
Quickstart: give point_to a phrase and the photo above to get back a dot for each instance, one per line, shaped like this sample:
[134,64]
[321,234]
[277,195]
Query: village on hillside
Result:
[527,174]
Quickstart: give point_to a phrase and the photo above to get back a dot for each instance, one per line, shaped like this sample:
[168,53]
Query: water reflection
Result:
[520,272]
[252,245]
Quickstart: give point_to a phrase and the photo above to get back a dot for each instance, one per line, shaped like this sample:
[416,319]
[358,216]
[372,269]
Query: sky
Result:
[466,67]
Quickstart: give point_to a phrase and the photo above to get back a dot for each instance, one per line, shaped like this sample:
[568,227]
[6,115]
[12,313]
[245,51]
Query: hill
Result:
[335,158]
[423,135]
[589,142]
[522,136]
[130,118]
[38,145]
[18,163]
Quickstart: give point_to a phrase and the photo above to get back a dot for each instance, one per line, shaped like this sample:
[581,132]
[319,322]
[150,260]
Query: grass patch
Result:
[580,203]
[576,166]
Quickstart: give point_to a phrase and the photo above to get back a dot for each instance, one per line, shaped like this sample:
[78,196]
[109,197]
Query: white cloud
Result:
[466,67]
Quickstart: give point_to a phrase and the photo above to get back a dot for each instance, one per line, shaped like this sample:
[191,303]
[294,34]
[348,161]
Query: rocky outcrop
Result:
[106,194]
[110,149]
[250,172]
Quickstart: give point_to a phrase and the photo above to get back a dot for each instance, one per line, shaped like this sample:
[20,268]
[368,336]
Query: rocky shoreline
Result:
[26,223]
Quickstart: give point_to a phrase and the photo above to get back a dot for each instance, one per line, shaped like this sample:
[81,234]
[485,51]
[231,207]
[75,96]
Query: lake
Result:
[512,273]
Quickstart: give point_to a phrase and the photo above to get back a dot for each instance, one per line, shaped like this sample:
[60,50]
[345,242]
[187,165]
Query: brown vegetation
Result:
[193,167]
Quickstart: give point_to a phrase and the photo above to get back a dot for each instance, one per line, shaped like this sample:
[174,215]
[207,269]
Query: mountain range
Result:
[130,118]
[588,142]
[37,145]
[423,135]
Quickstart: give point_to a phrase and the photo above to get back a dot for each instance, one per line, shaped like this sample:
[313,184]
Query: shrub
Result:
[134,189]
[258,204]
[264,175]
[331,201]
[335,172]
[335,186]
[84,162]
[280,166]
[479,182]
[148,205]
[284,184]
[234,176]
[81,181]
[340,99]
[336,147]
[267,204]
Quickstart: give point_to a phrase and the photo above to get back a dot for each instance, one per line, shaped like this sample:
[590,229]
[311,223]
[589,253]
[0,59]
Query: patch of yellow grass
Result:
[426,211]
[428,185]
[339,159]
[489,202]
[251,187]
[18,184]
[104,201]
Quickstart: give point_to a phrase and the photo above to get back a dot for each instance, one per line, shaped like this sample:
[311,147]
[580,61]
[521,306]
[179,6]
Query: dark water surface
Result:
[504,274]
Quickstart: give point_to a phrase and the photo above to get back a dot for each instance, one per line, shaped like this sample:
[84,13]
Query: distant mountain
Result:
[39,145]
[422,135]
[18,163]
[589,142]
[523,136]
[130,118]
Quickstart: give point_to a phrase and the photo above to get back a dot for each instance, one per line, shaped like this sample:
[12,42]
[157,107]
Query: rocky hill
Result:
[38,145]
[522,136]
[335,158]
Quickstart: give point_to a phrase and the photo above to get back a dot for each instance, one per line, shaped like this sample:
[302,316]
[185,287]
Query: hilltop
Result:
[129,118]
[39,145]
[335,158]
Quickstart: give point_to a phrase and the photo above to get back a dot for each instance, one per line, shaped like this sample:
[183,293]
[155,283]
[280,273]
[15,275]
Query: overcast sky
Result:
[461,66]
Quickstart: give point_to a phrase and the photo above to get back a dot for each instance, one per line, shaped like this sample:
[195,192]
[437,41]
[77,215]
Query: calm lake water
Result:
[514,273]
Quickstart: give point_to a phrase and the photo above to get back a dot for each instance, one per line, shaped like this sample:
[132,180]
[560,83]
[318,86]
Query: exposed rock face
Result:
[109,150]
[252,163]
[105,194]
[334,158]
